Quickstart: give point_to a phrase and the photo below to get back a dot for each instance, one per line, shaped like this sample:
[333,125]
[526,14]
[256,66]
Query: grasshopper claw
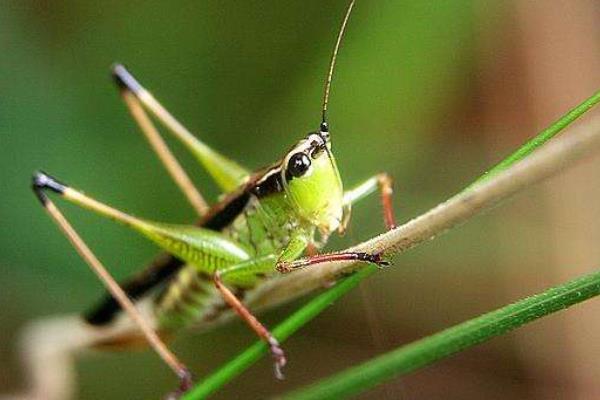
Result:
[186,380]
[185,383]
[278,356]
[374,258]
[382,263]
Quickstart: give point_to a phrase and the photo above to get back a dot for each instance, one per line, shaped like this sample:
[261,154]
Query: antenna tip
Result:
[124,80]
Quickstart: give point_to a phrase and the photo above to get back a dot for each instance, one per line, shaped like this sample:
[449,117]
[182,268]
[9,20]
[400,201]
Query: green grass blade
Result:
[542,137]
[426,351]
[283,331]
[301,317]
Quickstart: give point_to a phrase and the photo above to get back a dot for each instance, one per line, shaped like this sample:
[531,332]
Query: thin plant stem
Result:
[282,332]
[428,350]
[542,137]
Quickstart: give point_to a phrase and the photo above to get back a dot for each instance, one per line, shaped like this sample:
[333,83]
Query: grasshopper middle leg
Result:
[242,273]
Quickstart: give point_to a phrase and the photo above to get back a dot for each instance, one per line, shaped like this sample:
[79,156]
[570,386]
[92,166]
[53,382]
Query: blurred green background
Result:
[433,92]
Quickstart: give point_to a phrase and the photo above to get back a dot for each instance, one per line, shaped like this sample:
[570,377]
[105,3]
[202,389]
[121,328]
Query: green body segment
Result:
[263,229]
[276,226]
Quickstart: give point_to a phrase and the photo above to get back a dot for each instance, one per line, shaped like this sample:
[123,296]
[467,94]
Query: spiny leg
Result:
[42,183]
[383,182]
[242,272]
[386,189]
[289,266]
[164,153]
[227,173]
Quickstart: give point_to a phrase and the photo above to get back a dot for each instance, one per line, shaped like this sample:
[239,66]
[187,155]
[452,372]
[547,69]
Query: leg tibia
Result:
[241,273]
[189,243]
[227,173]
[113,287]
[164,153]
[384,183]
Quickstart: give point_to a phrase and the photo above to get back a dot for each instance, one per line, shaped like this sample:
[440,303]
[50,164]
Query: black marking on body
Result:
[269,184]
[225,212]
[162,268]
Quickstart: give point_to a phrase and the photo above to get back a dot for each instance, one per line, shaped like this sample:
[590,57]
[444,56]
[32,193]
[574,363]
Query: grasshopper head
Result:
[312,182]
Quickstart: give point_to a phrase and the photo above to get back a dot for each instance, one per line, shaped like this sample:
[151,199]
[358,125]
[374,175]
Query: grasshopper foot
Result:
[374,258]
[278,356]
[185,383]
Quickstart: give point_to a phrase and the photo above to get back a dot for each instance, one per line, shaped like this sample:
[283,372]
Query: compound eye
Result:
[298,165]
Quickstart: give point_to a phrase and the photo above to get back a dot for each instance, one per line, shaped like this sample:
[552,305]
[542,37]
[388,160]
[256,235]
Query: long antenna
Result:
[324,126]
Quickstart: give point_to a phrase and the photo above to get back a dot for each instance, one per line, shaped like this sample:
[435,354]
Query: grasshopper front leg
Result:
[382,182]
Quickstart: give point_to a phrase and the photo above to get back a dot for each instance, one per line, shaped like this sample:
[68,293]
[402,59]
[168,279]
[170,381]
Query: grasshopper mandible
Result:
[265,223]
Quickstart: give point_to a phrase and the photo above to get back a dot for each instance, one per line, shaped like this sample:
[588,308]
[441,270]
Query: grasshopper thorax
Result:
[312,182]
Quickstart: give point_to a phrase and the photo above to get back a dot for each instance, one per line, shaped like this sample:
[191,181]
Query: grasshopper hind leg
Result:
[41,183]
[165,155]
[227,173]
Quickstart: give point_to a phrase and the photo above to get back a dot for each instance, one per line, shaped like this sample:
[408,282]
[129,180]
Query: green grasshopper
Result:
[262,227]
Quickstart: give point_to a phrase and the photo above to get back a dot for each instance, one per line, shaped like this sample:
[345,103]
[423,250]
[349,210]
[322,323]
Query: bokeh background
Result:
[433,92]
